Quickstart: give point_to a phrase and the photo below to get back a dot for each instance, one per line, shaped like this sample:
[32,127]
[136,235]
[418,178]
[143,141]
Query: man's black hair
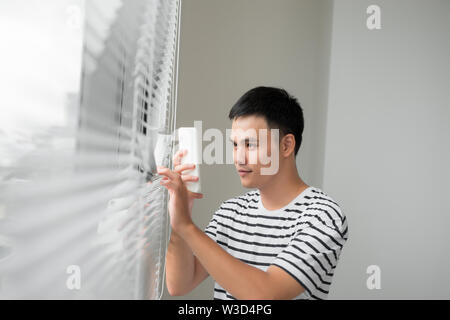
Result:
[279,108]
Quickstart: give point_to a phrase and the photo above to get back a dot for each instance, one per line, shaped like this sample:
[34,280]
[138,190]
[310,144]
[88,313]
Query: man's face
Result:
[254,153]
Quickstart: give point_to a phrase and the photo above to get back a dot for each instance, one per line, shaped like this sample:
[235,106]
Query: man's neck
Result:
[284,188]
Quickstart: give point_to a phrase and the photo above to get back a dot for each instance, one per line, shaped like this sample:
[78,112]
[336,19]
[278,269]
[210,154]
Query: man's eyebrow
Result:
[248,139]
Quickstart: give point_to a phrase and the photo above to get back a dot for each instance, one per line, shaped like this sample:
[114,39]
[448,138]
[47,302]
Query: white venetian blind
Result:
[82,214]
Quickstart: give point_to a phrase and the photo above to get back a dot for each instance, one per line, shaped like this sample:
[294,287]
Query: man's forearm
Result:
[180,266]
[238,278]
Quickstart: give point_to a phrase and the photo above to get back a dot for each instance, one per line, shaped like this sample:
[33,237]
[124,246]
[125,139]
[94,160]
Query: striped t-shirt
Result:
[304,238]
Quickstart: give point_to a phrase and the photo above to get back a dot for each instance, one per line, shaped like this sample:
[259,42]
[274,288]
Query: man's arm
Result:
[240,279]
[183,270]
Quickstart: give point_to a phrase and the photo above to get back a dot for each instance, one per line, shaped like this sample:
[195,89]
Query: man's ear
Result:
[287,145]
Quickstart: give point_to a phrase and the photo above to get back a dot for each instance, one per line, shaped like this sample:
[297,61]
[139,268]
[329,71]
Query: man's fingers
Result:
[186,178]
[177,157]
[196,195]
[183,167]
[168,184]
[168,173]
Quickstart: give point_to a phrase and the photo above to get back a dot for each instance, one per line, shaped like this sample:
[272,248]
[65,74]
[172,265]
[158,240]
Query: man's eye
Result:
[251,145]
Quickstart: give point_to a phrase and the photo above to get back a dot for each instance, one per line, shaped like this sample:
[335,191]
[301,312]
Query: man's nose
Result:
[240,156]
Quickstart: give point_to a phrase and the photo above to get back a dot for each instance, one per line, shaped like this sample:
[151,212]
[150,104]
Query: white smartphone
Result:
[189,138]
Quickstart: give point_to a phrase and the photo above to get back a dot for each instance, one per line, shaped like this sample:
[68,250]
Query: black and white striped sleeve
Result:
[211,228]
[312,254]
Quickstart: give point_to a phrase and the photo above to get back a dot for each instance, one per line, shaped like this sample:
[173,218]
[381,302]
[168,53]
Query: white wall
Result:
[387,147]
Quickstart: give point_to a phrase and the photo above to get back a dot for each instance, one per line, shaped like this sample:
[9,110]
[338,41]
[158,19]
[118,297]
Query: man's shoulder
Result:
[317,196]
[318,203]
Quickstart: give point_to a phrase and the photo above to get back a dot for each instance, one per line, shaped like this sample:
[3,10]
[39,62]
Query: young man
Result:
[280,241]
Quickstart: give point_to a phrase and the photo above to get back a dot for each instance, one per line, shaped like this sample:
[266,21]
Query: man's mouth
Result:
[243,172]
